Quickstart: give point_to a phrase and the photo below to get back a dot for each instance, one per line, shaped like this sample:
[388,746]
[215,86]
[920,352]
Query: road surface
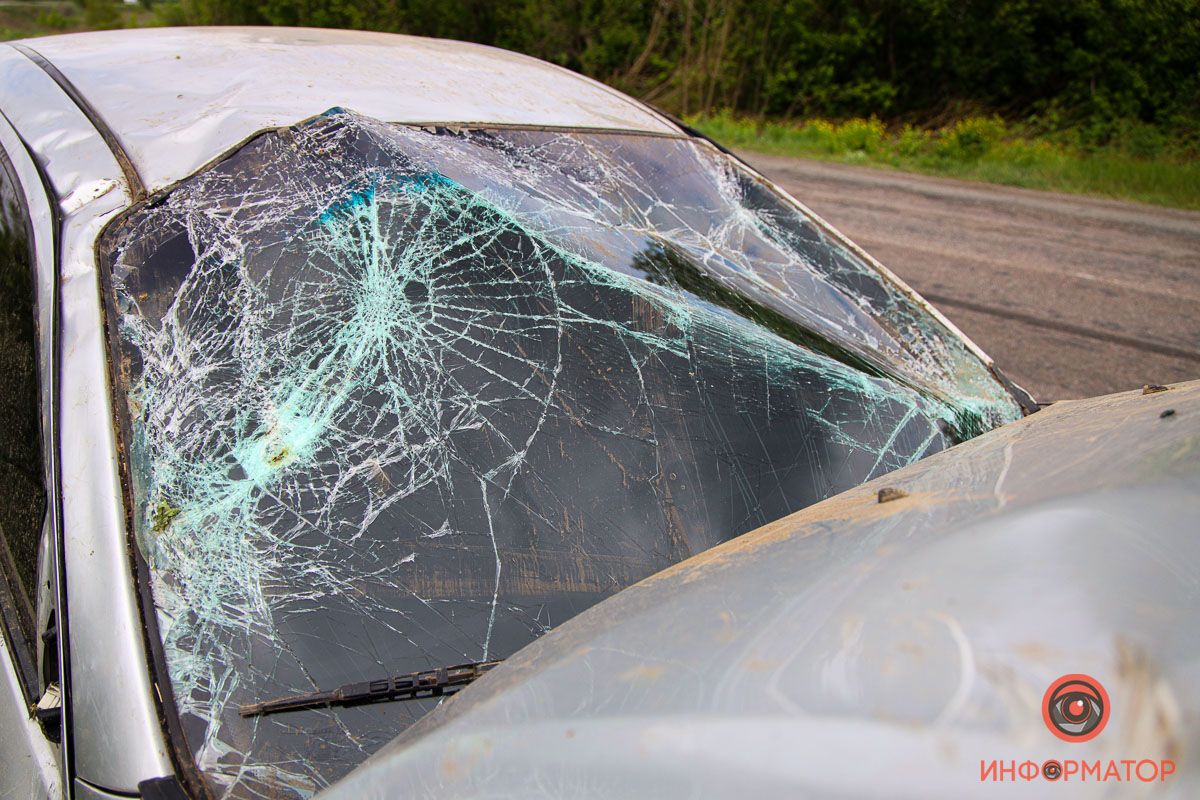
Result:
[1071,296]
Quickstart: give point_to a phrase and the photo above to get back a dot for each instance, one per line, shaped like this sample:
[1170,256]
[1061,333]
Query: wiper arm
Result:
[413,686]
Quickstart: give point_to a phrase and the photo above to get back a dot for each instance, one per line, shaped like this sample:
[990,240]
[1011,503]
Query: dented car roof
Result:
[176,98]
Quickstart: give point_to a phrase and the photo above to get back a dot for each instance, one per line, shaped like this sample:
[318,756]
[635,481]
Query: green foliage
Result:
[952,79]
[1105,68]
[99,15]
[54,20]
[170,14]
[1108,69]
[970,138]
[24,18]
[221,12]
[861,135]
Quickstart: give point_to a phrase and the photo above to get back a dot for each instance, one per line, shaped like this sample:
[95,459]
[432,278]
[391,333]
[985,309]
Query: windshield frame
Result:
[188,771]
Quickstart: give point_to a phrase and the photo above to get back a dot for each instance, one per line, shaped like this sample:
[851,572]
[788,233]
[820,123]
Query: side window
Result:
[22,494]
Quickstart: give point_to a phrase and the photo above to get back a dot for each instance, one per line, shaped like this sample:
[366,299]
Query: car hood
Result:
[868,648]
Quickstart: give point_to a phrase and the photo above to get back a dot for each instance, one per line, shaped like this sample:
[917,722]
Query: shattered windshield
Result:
[400,397]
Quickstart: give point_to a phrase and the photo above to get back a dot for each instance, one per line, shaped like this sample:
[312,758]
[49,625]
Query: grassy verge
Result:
[978,148]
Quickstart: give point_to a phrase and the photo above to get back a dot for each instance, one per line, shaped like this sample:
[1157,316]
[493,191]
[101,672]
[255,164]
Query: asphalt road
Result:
[1071,296]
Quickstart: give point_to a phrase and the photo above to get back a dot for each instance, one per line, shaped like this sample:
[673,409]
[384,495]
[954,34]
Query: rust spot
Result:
[727,631]
[854,507]
[1151,719]
[643,672]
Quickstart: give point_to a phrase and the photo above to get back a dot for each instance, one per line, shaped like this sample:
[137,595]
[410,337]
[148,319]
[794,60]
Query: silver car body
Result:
[175,100]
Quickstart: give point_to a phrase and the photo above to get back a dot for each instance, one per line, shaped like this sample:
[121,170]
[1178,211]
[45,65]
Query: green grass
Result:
[981,149]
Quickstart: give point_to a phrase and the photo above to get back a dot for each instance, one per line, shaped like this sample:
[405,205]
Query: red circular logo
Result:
[1075,708]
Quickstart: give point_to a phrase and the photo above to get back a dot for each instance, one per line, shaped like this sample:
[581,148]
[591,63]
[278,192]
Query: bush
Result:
[971,138]
[912,141]
[861,135]
[822,136]
[99,15]
[53,20]
[170,14]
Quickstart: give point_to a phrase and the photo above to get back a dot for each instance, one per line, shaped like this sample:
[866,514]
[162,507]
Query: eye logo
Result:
[1075,708]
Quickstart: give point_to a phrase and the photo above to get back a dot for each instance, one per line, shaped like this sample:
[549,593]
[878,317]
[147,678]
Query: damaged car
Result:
[349,370]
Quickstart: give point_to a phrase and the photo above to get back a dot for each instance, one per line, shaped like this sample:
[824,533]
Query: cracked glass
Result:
[399,397]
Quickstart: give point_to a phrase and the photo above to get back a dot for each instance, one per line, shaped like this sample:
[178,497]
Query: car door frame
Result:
[45,767]
[114,738]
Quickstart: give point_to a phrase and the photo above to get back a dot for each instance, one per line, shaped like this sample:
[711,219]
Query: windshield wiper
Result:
[413,686]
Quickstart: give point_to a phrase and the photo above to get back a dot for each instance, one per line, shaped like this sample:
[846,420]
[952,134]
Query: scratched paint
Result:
[401,397]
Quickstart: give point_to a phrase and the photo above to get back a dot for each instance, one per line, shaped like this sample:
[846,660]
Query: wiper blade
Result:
[413,686]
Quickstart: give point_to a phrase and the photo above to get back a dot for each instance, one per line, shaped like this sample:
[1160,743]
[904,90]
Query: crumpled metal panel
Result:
[860,649]
[402,397]
[179,97]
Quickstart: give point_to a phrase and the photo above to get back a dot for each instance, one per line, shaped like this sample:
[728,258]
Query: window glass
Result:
[22,499]
[402,397]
